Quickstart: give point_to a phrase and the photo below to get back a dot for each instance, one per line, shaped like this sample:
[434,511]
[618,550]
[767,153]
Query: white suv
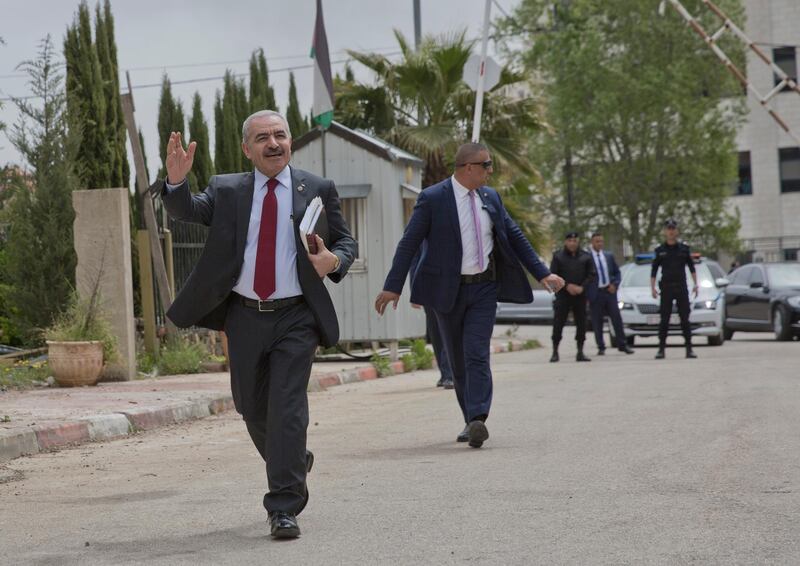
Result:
[640,311]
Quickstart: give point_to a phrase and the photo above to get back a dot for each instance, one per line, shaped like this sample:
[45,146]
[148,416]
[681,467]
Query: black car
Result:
[764,297]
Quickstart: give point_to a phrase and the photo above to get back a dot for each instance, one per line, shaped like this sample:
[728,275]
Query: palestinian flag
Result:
[322,110]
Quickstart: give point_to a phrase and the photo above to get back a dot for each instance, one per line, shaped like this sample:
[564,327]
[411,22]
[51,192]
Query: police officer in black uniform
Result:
[673,257]
[577,268]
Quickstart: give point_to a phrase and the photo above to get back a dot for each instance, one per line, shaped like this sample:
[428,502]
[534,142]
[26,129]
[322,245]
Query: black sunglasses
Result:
[485,164]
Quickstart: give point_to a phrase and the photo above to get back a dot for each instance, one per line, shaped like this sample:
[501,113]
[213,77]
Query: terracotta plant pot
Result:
[75,363]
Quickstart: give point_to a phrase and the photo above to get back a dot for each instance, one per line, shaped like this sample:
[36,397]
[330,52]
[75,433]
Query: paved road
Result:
[622,461]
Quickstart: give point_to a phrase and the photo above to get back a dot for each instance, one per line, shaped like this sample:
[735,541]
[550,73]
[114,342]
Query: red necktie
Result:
[264,281]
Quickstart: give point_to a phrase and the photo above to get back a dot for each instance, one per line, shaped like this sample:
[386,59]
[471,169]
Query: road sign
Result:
[472,67]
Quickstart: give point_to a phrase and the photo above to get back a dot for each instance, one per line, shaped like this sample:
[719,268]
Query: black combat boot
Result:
[554,358]
[581,357]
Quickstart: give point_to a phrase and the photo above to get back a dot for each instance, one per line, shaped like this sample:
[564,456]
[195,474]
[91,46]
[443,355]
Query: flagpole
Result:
[324,159]
[476,123]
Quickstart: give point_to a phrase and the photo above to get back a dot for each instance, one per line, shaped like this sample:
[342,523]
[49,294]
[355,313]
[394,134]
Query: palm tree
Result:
[422,104]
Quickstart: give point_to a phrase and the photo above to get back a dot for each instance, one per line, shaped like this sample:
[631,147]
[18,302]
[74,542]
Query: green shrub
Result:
[381,364]
[23,375]
[178,356]
[145,363]
[423,357]
[83,321]
[409,362]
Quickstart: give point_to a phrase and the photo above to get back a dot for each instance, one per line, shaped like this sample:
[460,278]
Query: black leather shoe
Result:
[477,433]
[309,465]
[581,357]
[627,350]
[283,525]
[554,358]
[463,436]
[660,355]
[690,354]
[601,352]
[448,384]
[440,383]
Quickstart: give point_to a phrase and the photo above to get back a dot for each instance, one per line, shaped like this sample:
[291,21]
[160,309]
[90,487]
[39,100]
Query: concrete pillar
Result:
[103,246]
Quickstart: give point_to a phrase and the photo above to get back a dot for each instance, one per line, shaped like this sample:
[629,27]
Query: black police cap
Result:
[670,223]
[571,234]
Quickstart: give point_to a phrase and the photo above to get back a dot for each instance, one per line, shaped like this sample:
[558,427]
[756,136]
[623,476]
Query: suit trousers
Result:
[680,295]
[562,306]
[270,358]
[467,333]
[605,304]
[435,338]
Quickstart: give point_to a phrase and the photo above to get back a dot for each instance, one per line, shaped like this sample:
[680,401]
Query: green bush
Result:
[83,321]
[145,363]
[409,362]
[381,364]
[23,375]
[423,357]
[178,356]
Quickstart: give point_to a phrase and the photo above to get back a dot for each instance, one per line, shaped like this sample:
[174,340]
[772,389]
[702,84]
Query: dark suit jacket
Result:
[225,206]
[436,280]
[614,275]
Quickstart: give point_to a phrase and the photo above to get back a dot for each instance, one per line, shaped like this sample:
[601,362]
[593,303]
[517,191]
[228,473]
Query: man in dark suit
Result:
[602,295]
[256,281]
[470,259]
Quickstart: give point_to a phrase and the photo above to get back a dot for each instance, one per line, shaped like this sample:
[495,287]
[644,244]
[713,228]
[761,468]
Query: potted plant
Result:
[79,342]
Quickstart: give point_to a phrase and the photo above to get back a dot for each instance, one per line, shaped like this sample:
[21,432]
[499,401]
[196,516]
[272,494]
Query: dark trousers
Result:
[680,295]
[562,306]
[270,358]
[435,338]
[467,333]
[605,304]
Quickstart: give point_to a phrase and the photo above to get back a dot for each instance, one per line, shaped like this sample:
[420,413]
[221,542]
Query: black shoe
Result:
[554,358]
[440,383]
[627,350]
[477,433]
[463,436]
[581,357]
[690,354]
[309,465]
[660,354]
[601,352]
[283,525]
[448,384]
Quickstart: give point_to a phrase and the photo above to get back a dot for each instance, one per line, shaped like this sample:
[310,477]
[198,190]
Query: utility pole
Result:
[476,122]
[417,25]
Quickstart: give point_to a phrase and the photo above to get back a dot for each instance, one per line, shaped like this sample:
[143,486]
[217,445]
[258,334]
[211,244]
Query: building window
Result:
[790,254]
[745,184]
[790,169]
[354,211]
[786,59]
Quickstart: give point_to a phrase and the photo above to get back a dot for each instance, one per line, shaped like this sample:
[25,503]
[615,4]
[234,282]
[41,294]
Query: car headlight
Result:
[794,301]
[707,305]
[623,306]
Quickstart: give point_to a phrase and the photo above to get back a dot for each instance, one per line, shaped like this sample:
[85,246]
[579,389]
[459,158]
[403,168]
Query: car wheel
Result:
[727,333]
[717,340]
[780,324]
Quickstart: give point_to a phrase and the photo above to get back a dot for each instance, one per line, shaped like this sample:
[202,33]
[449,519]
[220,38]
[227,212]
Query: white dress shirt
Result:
[287,283]
[469,242]
[600,259]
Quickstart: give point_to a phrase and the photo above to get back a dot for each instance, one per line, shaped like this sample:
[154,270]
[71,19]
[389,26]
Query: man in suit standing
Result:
[255,280]
[470,259]
[577,269]
[602,295]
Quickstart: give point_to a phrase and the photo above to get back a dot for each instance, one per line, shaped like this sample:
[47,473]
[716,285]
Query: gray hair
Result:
[260,114]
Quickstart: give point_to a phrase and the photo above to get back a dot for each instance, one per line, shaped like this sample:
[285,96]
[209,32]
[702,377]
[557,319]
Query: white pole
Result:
[476,123]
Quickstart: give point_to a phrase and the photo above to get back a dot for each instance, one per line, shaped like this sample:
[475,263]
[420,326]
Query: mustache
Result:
[273,153]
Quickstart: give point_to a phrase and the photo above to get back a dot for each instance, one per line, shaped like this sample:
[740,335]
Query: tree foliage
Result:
[262,95]
[170,119]
[643,116]
[40,267]
[298,124]
[203,166]
[230,111]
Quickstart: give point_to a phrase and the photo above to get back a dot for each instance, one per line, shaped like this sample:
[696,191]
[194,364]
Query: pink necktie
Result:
[477,224]
[264,280]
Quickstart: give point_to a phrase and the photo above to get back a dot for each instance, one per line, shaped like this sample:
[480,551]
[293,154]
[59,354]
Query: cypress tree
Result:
[230,137]
[219,130]
[87,102]
[297,123]
[202,167]
[170,119]
[262,95]
[41,256]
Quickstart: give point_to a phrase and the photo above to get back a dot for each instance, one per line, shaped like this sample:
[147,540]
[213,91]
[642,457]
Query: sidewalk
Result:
[47,419]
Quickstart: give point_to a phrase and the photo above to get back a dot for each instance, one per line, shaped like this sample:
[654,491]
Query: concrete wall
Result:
[103,245]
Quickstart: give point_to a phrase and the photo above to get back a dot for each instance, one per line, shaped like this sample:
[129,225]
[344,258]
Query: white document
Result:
[309,221]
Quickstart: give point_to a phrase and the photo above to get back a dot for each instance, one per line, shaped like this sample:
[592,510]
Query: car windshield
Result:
[639,276]
[784,275]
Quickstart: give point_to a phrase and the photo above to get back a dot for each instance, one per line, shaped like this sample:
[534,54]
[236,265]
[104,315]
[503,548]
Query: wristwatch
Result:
[338,263]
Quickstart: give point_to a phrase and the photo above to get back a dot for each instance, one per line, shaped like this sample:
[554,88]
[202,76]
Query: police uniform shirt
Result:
[672,259]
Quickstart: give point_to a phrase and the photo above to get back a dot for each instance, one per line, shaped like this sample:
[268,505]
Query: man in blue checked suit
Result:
[471,256]
[602,295]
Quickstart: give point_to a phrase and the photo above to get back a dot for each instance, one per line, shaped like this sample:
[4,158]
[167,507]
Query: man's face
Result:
[268,144]
[475,172]
[571,244]
[598,242]
[671,233]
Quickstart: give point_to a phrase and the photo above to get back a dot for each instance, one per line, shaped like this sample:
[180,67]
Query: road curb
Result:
[48,437]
